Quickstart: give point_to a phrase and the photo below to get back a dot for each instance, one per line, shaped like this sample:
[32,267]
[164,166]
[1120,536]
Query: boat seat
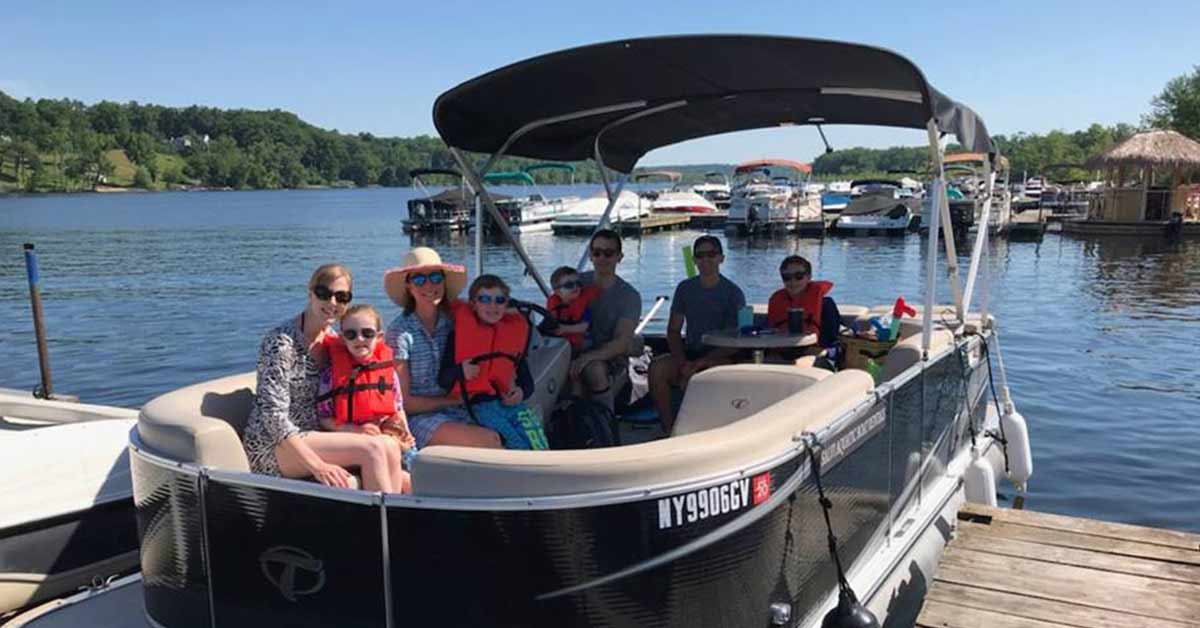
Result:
[464,472]
[201,424]
[907,352]
[725,394]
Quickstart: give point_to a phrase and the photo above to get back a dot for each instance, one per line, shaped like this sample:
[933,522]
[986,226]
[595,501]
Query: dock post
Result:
[46,391]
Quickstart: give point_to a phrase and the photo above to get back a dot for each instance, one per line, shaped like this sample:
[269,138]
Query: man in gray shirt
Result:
[706,302]
[615,312]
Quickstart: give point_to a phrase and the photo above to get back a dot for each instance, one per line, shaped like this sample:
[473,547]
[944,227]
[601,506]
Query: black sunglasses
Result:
[705,254]
[488,299]
[434,277]
[798,275]
[352,334]
[323,293]
[604,252]
[569,285]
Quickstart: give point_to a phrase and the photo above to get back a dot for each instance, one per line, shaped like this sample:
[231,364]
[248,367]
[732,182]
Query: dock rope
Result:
[997,435]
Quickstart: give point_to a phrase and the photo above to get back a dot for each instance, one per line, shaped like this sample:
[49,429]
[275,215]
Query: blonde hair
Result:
[326,274]
[363,308]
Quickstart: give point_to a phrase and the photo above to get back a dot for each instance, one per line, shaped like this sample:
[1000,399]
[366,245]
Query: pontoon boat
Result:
[716,523]
[769,196]
[448,210]
[526,213]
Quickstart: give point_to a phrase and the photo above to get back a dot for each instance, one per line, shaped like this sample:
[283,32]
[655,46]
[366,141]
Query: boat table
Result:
[760,342]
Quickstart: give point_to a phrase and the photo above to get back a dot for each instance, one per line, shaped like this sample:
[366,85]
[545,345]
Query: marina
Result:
[614,379]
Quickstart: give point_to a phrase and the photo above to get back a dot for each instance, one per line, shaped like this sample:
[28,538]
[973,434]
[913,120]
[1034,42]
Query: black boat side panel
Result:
[174,572]
[67,542]
[286,559]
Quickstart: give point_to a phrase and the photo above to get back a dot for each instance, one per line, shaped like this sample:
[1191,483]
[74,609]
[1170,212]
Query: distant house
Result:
[180,143]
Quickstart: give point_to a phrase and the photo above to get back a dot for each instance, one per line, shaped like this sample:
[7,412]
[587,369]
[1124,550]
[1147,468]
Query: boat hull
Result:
[715,551]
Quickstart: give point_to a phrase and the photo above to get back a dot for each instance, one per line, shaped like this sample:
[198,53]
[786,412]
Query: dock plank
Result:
[938,614]
[983,538]
[1120,531]
[1019,568]
[1033,609]
[1107,545]
[1138,595]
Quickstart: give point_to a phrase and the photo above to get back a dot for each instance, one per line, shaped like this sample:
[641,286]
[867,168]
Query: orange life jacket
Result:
[362,393]
[501,347]
[811,300]
[572,313]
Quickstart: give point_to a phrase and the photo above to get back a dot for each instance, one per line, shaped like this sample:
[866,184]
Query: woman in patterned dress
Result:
[425,287]
[282,436]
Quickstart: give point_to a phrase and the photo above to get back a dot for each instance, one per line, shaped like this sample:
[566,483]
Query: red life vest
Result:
[503,345]
[572,313]
[811,300]
[372,396]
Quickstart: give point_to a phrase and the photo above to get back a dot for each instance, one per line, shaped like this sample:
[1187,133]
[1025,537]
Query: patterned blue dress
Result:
[409,339]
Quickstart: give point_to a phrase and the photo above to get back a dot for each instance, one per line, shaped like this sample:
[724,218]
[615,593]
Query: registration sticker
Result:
[762,487]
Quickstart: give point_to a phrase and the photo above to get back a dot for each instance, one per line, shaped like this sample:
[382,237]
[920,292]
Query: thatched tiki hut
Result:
[1138,172]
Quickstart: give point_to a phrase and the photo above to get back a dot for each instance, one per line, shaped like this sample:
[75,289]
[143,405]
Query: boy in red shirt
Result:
[569,306]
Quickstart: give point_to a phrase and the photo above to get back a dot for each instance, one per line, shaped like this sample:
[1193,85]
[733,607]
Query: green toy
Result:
[689,262]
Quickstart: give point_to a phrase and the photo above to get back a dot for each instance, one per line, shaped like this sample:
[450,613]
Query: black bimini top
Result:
[641,94]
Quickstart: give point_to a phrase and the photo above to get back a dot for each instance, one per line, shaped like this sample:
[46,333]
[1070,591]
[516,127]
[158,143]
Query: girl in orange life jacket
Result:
[359,390]
[569,306]
[800,291]
[485,362]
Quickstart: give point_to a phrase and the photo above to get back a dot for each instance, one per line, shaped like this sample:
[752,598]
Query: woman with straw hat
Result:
[425,287]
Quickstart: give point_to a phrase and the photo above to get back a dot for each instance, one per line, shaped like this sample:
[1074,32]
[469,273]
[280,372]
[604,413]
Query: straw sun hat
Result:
[423,260]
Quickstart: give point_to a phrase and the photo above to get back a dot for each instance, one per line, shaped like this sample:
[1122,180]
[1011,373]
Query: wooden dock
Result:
[1007,568]
[650,224]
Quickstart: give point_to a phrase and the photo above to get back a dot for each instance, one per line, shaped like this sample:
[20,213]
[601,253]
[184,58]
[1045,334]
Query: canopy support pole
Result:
[981,237]
[476,180]
[614,194]
[536,124]
[939,190]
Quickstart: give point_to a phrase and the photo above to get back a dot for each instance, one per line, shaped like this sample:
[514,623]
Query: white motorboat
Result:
[68,515]
[587,213]
[717,523]
[878,206]
[769,196]
[526,213]
[715,188]
[678,199]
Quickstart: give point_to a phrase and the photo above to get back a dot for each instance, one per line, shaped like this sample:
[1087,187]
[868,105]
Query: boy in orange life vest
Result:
[800,291]
[484,361]
[373,404]
[569,306]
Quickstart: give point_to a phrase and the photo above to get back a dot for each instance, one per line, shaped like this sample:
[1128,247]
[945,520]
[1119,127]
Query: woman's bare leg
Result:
[344,449]
[395,462]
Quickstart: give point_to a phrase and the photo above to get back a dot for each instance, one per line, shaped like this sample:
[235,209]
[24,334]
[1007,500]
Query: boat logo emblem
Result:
[739,403]
[281,564]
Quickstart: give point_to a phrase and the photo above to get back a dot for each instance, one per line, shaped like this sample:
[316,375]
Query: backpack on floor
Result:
[583,424]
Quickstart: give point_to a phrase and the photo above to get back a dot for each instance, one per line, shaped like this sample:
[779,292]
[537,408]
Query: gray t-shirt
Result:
[706,309]
[619,301]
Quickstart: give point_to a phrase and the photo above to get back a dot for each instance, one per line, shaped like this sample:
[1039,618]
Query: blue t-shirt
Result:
[706,309]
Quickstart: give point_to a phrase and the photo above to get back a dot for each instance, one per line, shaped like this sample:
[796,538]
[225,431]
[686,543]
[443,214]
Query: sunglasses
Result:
[569,285]
[323,293]
[604,252]
[798,275]
[705,254]
[366,332]
[488,299]
[434,277]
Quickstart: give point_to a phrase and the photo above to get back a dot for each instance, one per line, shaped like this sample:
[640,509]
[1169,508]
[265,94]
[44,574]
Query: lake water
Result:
[144,293]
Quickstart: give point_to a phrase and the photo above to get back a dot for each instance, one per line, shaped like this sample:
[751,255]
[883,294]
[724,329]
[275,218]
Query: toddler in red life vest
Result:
[569,306]
[359,390]
[484,362]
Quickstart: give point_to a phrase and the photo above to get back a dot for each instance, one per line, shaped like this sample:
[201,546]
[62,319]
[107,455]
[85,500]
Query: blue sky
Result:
[378,66]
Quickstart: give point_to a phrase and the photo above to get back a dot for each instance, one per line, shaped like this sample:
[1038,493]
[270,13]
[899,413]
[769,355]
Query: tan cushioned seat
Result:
[724,394]
[466,472]
[201,423]
[907,352]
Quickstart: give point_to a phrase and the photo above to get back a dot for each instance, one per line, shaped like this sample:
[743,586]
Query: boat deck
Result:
[1017,568]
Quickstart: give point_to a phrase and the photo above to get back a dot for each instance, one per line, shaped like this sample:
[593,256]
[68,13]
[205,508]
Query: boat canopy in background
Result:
[759,164]
[666,90]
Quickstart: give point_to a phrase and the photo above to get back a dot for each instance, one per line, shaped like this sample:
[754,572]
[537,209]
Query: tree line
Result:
[63,144]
